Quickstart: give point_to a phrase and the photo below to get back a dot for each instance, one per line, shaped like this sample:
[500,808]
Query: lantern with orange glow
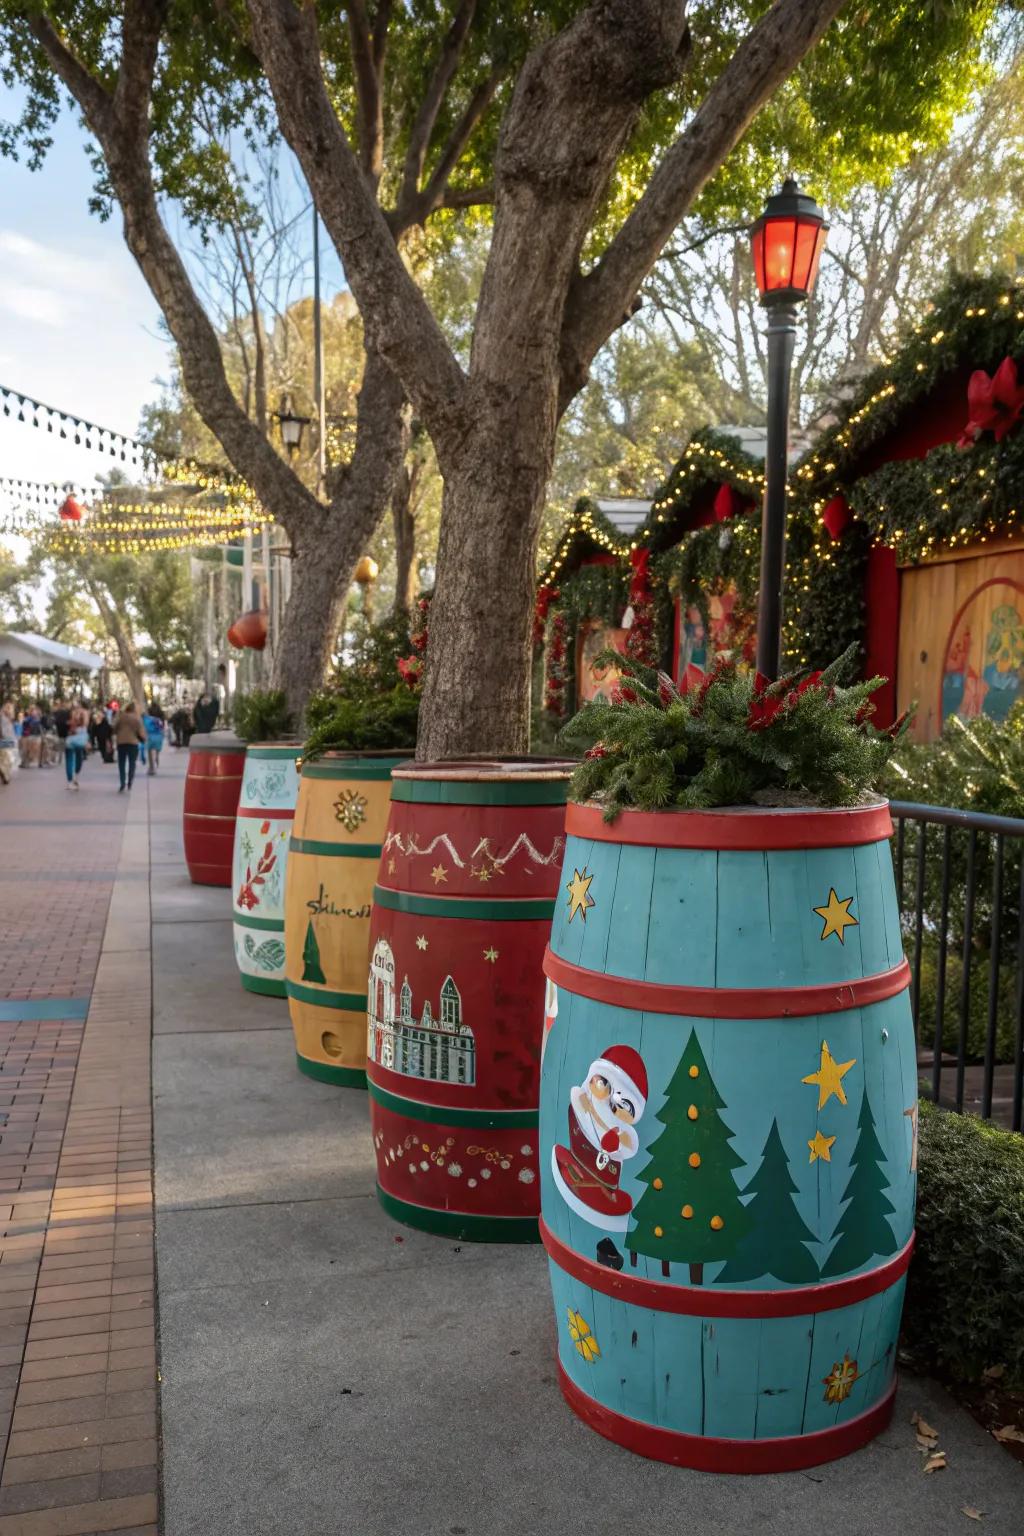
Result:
[786,243]
[250,631]
[70,511]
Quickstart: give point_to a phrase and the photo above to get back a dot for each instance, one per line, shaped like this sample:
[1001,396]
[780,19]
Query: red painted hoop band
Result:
[736,827]
[725,1002]
[711,1453]
[710,1301]
[257,815]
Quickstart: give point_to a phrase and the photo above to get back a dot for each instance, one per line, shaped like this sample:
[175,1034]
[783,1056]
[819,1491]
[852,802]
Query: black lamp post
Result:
[292,426]
[786,243]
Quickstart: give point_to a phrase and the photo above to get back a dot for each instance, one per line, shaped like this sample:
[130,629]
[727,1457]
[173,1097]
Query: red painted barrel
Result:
[468,875]
[213,784]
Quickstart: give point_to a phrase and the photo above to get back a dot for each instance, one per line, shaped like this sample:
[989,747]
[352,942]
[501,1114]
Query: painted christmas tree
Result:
[690,1212]
[311,967]
[776,1242]
[863,1229]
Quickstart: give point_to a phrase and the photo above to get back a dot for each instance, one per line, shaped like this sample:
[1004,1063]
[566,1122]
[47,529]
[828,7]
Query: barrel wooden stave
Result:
[460,922]
[262,836]
[339,825]
[778,1379]
[213,783]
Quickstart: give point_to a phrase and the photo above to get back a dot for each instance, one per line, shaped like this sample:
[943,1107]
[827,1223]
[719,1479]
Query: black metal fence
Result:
[963,930]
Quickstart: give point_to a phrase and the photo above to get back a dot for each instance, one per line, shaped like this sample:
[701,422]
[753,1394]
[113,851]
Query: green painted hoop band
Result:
[334,850]
[264,984]
[290,749]
[366,768]
[267,924]
[341,1077]
[474,792]
[350,1002]
[508,910]
[469,1229]
[448,1114]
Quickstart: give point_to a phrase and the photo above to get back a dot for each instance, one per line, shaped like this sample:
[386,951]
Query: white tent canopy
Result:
[34,653]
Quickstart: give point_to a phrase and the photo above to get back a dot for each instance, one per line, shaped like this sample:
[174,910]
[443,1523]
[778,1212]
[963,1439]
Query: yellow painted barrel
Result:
[340,820]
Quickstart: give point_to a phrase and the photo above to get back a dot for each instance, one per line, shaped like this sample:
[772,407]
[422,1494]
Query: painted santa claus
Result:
[603,1113]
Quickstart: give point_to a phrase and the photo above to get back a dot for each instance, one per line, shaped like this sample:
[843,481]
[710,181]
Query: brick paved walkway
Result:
[77,1332]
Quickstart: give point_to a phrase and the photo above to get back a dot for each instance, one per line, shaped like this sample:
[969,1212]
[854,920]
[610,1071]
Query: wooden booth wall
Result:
[961,636]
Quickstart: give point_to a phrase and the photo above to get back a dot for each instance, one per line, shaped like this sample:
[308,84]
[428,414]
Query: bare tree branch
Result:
[765,58]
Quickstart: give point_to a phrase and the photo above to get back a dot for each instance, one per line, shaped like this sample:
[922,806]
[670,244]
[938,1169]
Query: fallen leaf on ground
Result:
[994,1372]
[923,1427]
[927,1442]
[1009,1432]
[972,1513]
[935,1463]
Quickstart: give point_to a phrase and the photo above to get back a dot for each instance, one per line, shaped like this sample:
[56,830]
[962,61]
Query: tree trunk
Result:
[124,641]
[482,613]
[328,545]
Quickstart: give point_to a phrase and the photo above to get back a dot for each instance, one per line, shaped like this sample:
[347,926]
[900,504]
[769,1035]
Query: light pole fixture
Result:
[786,244]
[292,426]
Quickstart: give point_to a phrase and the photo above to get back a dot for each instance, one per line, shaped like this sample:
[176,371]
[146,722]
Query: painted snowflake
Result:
[455,1169]
[526,1175]
[350,809]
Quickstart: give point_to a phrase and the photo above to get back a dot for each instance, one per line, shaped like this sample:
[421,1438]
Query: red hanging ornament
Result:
[640,644]
[994,404]
[70,511]
[836,515]
[545,597]
[250,631]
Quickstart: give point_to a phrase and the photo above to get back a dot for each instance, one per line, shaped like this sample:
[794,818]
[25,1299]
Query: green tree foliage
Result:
[776,1243]
[690,1212]
[17,582]
[863,1232]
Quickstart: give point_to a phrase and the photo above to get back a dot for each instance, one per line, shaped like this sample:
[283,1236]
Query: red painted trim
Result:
[712,1301]
[735,827]
[726,1002]
[258,815]
[711,1453]
[993,581]
[882,588]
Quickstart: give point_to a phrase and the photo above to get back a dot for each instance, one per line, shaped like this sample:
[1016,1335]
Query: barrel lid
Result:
[273,748]
[470,770]
[739,827]
[216,741]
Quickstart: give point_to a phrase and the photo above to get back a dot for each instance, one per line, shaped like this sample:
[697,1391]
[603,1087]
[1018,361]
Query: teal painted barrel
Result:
[728,1131]
[266,809]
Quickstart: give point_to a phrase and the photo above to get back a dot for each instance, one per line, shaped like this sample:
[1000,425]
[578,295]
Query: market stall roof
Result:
[35,653]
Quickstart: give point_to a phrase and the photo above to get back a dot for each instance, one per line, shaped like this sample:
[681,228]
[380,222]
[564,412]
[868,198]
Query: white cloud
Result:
[27,302]
[47,266]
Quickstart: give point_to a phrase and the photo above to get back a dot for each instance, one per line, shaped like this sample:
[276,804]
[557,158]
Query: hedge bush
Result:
[262,715]
[963,1308]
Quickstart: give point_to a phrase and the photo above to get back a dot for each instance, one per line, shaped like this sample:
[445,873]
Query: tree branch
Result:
[398,321]
[768,54]
[469,197]
[433,196]
[94,101]
[369,97]
[437,88]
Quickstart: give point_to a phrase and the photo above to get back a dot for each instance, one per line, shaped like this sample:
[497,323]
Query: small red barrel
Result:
[468,875]
[213,784]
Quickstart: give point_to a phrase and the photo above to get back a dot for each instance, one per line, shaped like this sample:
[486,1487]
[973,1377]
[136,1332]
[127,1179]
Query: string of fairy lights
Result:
[73,517]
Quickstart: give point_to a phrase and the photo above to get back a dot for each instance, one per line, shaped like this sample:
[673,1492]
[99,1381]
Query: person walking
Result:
[153,721]
[101,735]
[75,743]
[8,743]
[32,737]
[128,733]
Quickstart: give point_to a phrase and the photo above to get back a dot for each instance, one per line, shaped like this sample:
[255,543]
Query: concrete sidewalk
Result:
[328,1373]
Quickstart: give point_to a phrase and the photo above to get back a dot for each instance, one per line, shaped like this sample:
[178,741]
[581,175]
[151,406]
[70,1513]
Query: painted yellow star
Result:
[580,898]
[821,1147]
[438,873]
[391,866]
[829,1077]
[491,954]
[837,916]
[483,873]
[422,941]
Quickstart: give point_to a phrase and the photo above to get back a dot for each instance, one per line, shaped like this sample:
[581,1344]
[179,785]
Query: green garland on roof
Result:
[709,457]
[586,528]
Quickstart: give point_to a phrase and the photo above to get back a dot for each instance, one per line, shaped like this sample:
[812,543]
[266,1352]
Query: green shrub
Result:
[963,1307]
[977,1012]
[262,715]
[371,722]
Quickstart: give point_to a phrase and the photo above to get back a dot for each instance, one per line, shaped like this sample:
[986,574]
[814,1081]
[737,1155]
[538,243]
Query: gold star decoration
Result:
[821,1147]
[422,941]
[828,1077]
[438,873]
[391,866]
[836,916]
[483,873]
[840,1379]
[491,954]
[580,898]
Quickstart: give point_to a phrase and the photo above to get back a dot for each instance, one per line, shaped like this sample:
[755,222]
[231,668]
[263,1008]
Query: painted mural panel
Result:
[962,640]
[730,632]
[593,639]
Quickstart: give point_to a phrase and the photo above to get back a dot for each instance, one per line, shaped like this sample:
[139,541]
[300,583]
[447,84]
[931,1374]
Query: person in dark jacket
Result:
[101,735]
[206,712]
